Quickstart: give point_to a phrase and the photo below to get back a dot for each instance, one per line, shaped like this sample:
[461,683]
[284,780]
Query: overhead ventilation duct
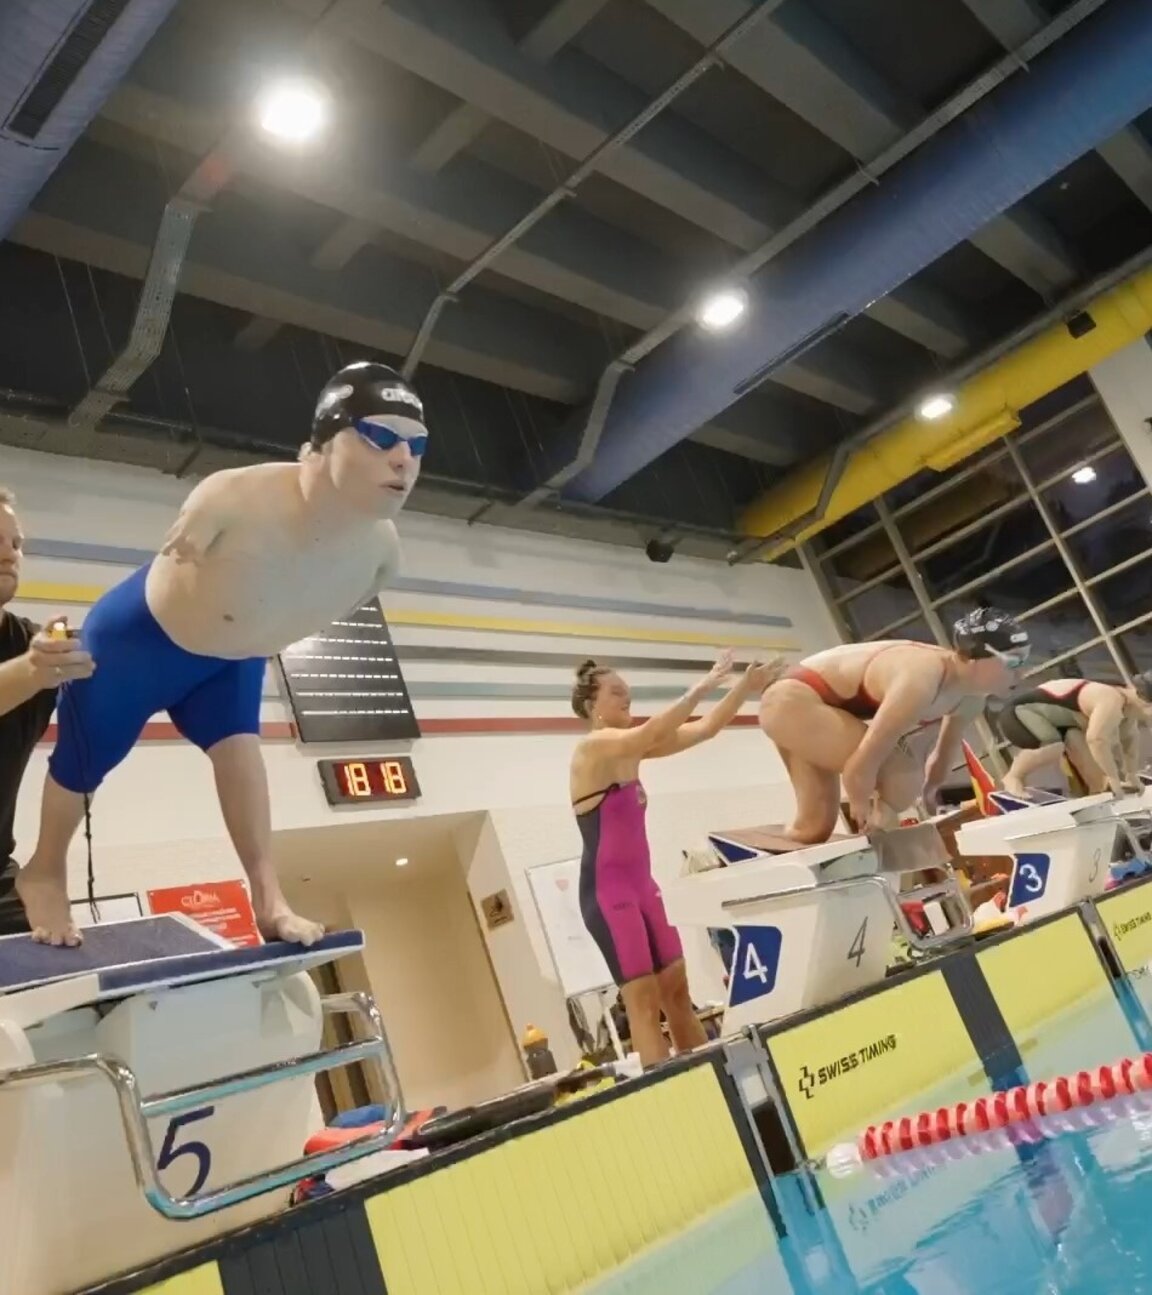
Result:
[1083,90]
[986,408]
[59,61]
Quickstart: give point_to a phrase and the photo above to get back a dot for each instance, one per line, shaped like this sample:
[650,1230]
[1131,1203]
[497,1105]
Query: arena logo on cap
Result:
[403,395]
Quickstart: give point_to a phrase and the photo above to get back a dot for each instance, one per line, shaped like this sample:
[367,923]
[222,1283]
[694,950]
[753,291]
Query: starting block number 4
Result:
[175,1146]
[756,964]
[1029,879]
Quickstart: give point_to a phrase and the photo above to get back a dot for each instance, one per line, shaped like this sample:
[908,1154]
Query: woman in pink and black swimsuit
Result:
[843,714]
[619,897]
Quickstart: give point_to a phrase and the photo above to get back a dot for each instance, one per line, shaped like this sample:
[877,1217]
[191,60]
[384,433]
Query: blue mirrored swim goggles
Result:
[384,437]
[1015,658]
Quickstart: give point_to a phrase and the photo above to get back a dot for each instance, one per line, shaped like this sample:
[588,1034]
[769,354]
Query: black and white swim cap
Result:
[990,632]
[362,390]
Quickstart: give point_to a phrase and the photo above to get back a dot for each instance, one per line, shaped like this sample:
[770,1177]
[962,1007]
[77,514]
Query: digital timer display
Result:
[377,778]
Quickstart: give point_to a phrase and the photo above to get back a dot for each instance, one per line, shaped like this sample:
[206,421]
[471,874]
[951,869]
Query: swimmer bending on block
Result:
[842,714]
[1086,721]
[259,558]
[619,898]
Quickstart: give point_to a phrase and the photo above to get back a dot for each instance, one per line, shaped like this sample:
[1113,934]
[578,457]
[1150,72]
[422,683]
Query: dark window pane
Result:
[862,562]
[1106,542]
[1058,450]
[853,524]
[1012,563]
[964,502]
[1127,594]
[876,608]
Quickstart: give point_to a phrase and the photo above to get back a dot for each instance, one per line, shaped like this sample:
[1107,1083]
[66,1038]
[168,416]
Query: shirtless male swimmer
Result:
[259,558]
[842,714]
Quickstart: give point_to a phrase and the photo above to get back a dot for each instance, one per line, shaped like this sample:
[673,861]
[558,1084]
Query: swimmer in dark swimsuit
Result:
[619,897]
[843,714]
[1085,721]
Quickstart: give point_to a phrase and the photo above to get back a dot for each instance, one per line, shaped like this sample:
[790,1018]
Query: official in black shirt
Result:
[32,668]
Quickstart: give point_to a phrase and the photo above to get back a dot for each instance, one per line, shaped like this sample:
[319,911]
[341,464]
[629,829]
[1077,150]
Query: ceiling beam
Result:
[1128,153]
[800,59]
[572,256]
[464,123]
[240,259]
[561,24]
[572,105]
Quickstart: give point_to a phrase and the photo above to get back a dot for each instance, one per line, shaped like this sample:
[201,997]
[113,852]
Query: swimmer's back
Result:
[855,677]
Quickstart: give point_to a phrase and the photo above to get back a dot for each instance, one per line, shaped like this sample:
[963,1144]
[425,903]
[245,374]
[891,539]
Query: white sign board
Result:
[579,963]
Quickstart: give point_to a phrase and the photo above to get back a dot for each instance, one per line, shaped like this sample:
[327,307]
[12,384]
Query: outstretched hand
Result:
[722,669]
[760,674]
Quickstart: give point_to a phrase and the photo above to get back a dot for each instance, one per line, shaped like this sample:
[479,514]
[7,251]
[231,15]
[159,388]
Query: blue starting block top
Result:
[155,953]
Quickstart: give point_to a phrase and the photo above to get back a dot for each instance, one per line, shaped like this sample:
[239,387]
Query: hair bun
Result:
[586,670]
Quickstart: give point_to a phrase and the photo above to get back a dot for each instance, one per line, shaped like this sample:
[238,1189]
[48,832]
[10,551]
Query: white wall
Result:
[156,820]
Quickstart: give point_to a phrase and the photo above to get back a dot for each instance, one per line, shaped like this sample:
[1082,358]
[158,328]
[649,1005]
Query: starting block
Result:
[815,923]
[1062,850]
[156,1087]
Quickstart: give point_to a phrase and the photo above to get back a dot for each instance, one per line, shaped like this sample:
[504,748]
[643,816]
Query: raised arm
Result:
[750,684]
[906,699]
[644,739]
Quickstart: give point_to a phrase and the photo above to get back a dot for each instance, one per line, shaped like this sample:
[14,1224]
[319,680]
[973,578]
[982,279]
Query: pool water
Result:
[1067,1214]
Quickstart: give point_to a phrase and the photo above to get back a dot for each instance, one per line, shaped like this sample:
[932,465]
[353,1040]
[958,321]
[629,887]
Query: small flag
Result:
[983,784]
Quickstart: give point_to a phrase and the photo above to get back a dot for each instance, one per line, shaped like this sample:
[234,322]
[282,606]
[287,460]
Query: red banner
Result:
[222,906]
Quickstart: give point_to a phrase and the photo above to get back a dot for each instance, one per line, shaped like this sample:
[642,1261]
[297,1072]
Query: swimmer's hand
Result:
[721,670]
[760,674]
[55,660]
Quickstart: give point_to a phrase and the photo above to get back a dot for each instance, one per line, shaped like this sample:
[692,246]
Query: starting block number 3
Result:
[1029,879]
[176,1146]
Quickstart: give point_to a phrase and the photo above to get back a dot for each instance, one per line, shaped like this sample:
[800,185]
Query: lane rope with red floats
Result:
[1026,1104]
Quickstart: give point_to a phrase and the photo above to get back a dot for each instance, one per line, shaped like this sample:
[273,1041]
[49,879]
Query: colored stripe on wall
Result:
[59,595]
[475,726]
[70,550]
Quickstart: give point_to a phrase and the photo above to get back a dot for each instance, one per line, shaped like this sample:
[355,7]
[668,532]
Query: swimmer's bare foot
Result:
[47,909]
[281,923]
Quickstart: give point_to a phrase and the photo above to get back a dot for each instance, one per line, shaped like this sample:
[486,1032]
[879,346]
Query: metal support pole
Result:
[932,617]
[810,561]
[1069,560]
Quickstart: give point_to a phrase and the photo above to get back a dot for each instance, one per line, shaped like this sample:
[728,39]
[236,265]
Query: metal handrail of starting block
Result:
[136,1111]
[922,943]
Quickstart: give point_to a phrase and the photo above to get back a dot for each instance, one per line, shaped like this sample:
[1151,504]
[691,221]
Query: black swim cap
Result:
[362,390]
[988,630]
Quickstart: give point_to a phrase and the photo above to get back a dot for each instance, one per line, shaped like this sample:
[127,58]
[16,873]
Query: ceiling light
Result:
[935,406]
[721,309]
[1084,476]
[401,863]
[293,111]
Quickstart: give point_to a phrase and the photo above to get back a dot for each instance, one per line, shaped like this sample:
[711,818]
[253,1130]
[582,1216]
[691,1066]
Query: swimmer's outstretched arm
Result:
[906,699]
[750,684]
[946,753]
[644,738]
[1104,722]
[205,515]
[1130,751]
